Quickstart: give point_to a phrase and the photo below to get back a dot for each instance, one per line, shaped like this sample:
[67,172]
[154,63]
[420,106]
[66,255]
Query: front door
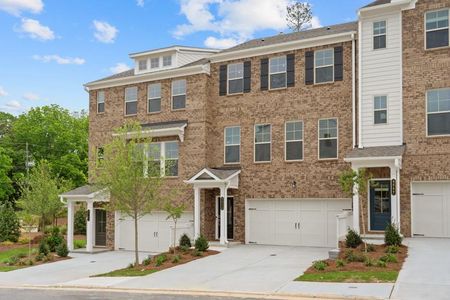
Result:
[100,227]
[230,217]
[380,204]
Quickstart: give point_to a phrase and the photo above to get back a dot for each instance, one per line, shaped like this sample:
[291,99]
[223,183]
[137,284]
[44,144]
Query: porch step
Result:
[94,251]
[333,254]
[217,244]
[371,238]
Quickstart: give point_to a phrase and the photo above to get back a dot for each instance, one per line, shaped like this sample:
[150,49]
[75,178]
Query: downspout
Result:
[353,90]
[359,142]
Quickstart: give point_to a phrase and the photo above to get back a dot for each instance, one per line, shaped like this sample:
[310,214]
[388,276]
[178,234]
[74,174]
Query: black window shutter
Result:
[309,67]
[338,64]
[290,60]
[247,76]
[264,74]
[223,80]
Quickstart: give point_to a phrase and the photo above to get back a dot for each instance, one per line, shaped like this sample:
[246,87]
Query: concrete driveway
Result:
[426,273]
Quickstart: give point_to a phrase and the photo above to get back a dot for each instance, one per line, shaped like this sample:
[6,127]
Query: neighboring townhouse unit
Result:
[261,131]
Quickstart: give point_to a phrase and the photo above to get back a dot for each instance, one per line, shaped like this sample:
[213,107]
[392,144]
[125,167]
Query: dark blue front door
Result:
[380,204]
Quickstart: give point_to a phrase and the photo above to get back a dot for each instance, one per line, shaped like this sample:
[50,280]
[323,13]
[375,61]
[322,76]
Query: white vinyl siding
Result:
[381,74]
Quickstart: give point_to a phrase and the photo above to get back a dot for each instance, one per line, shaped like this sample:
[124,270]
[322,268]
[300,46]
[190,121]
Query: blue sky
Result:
[49,48]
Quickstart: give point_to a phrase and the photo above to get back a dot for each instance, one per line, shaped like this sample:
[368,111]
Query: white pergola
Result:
[222,179]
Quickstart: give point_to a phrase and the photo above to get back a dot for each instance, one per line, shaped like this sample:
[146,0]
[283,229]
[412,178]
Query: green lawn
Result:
[351,276]
[127,272]
[8,268]
[5,255]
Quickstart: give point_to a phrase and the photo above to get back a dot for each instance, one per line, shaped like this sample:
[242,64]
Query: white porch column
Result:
[223,216]
[196,212]
[90,227]
[355,204]
[394,198]
[70,218]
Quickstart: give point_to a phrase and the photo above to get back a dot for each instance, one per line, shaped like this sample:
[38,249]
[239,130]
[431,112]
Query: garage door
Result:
[154,231]
[304,222]
[431,209]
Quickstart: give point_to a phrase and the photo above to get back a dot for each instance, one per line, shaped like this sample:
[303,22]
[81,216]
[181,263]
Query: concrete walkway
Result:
[426,272]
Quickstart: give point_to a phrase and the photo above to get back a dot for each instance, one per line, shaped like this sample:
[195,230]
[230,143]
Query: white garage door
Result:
[299,222]
[431,209]
[154,231]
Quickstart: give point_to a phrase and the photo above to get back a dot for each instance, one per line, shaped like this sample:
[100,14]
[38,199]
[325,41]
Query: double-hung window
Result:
[154,63]
[142,64]
[328,139]
[379,35]
[438,112]
[277,72]
[100,102]
[437,29]
[232,144]
[178,94]
[294,140]
[171,159]
[167,60]
[235,78]
[380,109]
[324,66]
[153,160]
[263,143]
[131,95]
[154,97]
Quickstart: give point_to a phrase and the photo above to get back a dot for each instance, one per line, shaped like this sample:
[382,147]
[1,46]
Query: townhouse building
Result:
[259,133]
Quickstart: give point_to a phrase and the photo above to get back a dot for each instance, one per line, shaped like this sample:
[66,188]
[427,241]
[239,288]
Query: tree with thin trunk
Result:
[29,222]
[130,175]
[174,212]
[356,182]
[299,15]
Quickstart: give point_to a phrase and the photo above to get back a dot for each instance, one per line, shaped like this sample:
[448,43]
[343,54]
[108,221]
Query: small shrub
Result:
[201,244]
[79,223]
[370,248]
[62,250]
[39,257]
[9,224]
[13,260]
[63,230]
[352,239]
[147,261]
[176,259]
[54,239]
[43,248]
[392,236]
[381,264]
[130,266]
[392,249]
[340,263]
[184,248]
[79,244]
[7,243]
[351,256]
[160,259]
[369,262]
[196,253]
[29,262]
[389,258]
[320,265]
[23,240]
[185,241]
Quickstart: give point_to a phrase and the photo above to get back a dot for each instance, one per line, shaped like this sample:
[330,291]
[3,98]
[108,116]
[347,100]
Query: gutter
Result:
[360,144]
[353,90]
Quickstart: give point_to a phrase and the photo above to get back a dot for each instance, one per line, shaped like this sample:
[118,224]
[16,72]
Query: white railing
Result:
[344,221]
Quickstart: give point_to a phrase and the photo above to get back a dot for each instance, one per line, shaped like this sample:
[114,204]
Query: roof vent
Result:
[328,28]
[262,40]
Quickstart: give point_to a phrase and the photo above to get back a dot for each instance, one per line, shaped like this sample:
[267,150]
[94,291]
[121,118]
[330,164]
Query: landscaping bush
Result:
[201,244]
[196,253]
[13,260]
[55,239]
[79,223]
[392,249]
[352,239]
[381,264]
[79,244]
[389,258]
[392,236]
[62,250]
[63,229]
[369,262]
[160,259]
[351,256]
[39,257]
[320,265]
[9,224]
[43,248]
[184,248]
[147,261]
[176,259]
[185,241]
[340,263]
[370,248]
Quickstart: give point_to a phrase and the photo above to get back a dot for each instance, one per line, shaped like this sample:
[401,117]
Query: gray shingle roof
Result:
[81,191]
[283,38]
[382,151]
[378,2]
[163,125]
[223,173]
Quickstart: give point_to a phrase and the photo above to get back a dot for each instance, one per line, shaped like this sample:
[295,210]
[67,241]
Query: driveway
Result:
[426,273]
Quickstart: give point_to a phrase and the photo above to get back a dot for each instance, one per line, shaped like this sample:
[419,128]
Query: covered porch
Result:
[383,195]
[222,179]
[96,239]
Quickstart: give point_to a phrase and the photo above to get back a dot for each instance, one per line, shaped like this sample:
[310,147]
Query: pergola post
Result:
[196,212]
[70,222]
[90,227]
[356,203]
[223,215]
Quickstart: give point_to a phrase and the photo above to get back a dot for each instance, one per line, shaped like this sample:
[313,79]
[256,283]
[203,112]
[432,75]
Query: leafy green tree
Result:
[6,121]
[9,224]
[134,185]
[174,212]
[6,184]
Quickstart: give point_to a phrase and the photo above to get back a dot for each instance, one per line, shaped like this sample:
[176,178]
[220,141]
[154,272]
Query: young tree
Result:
[353,182]
[39,194]
[130,173]
[299,14]
[29,222]
[174,212]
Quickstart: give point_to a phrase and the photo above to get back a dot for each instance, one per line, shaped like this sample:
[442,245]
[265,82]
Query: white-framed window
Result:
[277,72]
[438,112]
[171,159]
[380,110]
[142,64]
[158,159]
[154,164]
[100,102]
[293,141]
[328,138]
[179,94]
[263,143]
[154,62]
[131,95]
[154,97]
[235,78]
[232,145]
[379,35]
[167,60]
[437,29]
[324,66]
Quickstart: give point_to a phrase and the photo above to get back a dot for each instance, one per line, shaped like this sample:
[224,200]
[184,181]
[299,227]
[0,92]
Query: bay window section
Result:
[235,78]
[277,72]
[438,112]
[131,95]
[437,29]
[263,143]
[328,139]
[232,145]
[324,66]
[154,98]
[294,141]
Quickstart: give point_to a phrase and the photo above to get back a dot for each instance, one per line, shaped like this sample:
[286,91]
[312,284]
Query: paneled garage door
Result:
[297,222]
[154,231]
[431,209]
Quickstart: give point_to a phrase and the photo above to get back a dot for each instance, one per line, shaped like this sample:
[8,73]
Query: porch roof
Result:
[84,192]
[161,129]
[208,176]
[381,152]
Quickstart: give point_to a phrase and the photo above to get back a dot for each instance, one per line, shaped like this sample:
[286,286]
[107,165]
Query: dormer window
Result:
[142,64]
[154,62]
[167,61]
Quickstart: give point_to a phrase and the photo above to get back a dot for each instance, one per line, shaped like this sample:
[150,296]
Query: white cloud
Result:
[59,60]
[36,30]
[3,92]
[16,7]
[13,106]
[315,22]
[218,43]
[140,3]
[31,96]
[105,32]
[119,67]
